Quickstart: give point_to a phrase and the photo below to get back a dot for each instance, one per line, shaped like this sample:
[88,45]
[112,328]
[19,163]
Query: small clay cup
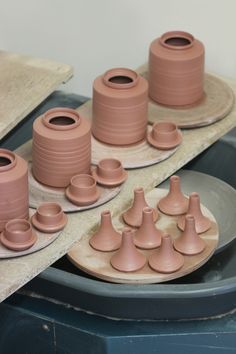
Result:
[18,235]
[49,217]
[164,136]
[109,172]
[83,190]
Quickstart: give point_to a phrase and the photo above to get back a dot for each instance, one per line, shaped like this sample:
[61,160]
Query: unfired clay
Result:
[83,190]
[109,172]
[164,136]
[18,235]
[49,217]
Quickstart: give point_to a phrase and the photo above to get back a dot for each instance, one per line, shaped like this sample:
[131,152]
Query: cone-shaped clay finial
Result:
[202,223]
[147,236]
[106,238]
[174,203]
[128,258]
[166,259]
[189,243]
[134,215]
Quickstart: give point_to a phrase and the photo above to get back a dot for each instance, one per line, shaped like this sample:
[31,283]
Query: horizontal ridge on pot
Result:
[120,107]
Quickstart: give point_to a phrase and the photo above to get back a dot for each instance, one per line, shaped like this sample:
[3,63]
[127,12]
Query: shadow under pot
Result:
[14,193]
[164,136]
[109,172]
[61,146]
[49,218]
[120,107]
[176,69]
[82,190]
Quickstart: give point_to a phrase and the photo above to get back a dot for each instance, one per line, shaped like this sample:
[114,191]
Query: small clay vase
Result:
[14,193]
[18,235]
[148,236]
[166,259]
[174,203]
[176,69]
[164,136]
[128,258]
[202,222]
[61,146]
[134,215]
[106,239]
[110,172]
[83,190]
[120,107]
[49,217]
[189,243]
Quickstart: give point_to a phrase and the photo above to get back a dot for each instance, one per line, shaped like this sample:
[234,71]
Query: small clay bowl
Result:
[82,190]
[18,235]
[49,217]
[109,172]
[164,136]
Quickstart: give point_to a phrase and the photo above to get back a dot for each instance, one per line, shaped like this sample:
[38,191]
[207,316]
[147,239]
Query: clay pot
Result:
[176,69]
[128,258]
[202,222]
[189,243]
[18,235]
[83,190]
[174,203]
[148,236]
[49,217]
[61,146]
[109,172]
[14,194]
[166,259]
[134,215]
[120,107]
[106,238]
[164,136]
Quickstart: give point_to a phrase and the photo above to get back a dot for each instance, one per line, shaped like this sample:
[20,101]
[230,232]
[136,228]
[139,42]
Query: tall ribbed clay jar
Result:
[176,69]
[61,146]
[14,194]
[120,107]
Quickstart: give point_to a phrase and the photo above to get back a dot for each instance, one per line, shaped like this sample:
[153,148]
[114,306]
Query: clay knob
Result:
[189,243]
[49,217]
[166,259]
[202,223]
[174,203]
[147,236]
[164,136]
[83,190]
[128,258]
[109,172]
[106,238]
[134,215]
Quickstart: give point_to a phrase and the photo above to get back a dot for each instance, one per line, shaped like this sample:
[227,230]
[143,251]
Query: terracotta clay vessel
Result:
[18,235]
[61,146]
[174,203]
[166,259]
[134,215]
[164,136]
[202,222]
[106,238]
[83,190]
[49,217]
[120,107]
[189,243]
[148,236]
[176,69]
[14,194]
[110,172]
[128,258]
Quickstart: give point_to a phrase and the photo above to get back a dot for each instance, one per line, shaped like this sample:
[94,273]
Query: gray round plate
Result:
[217,196]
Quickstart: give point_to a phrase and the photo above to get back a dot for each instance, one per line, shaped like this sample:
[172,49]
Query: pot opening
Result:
[121,79]
[18,227]
[62,121]
[83,181]
[4,161]
[164,127]
[49,209]
[110,164]
[178,41]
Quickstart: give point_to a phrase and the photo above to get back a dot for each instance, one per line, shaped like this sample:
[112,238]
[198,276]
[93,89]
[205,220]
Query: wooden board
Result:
[96,263]
[25,83]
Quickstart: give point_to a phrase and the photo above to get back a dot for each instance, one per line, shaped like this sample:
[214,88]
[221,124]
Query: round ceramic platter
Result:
[43,240]
[97,263]
[39,193]
[134,156]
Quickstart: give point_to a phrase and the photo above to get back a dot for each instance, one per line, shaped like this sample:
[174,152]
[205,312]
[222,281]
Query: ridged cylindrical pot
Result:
[176,69]
[14,194]
[61,146]
[120,107]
